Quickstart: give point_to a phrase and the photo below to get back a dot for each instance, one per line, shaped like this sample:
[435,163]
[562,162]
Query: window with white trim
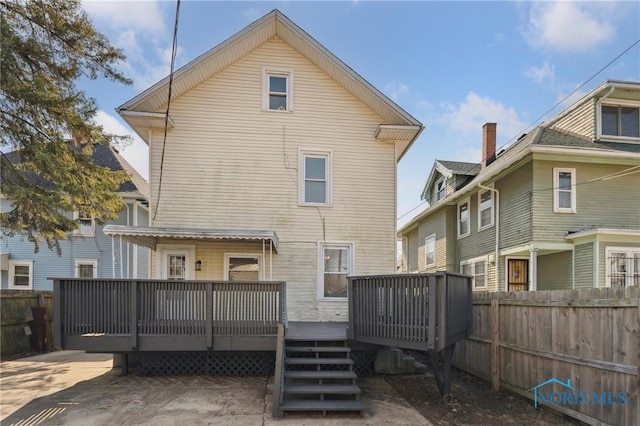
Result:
[622,266]
[620,121]
[477,269]
[464,222]
[86,268]
[439,190]
[564,190]
[242,267]
[86,224]
[20,275]
[430,250]
[335,265]
[277,86]
[314,178]
[485,210]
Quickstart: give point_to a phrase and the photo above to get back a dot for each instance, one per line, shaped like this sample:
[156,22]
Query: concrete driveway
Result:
[74,388]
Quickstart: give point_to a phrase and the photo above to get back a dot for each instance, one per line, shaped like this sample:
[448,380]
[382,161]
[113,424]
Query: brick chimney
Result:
[488,143]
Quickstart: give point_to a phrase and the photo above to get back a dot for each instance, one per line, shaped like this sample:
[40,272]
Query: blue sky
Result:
[452,65]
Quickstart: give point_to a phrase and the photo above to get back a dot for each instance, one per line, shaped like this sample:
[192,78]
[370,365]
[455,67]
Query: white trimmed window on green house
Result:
[620,121]
[20,275]
[622,266]
[277,86]
[430,251]
[564,190]
[439,190]
[315,178]
[336,264]
[485,210]
[464,218]
[477,269]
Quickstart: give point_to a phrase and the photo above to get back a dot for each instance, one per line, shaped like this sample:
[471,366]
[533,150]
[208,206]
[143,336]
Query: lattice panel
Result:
[364,362]
[206,363]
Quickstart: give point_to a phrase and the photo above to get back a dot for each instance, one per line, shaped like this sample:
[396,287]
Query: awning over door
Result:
[148,237]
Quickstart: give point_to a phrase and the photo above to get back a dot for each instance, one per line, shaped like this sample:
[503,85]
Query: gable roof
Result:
[448,169]
[104,156]
[141,112]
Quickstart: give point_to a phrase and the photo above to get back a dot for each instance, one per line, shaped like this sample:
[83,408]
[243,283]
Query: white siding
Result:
[230,165]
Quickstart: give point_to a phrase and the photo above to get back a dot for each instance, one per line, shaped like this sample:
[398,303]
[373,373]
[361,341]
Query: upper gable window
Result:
[620,121]
[86,224]
[277,86]
[439,190]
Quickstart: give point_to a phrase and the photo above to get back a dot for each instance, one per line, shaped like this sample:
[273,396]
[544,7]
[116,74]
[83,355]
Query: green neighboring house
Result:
[558,209]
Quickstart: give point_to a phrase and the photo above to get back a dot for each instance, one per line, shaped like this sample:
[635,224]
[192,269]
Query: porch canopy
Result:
[148,237]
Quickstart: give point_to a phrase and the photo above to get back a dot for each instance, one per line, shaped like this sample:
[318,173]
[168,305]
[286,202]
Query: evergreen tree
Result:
[46,46]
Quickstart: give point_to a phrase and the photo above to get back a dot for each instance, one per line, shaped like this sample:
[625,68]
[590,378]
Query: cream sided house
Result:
[559,209]
[279,163]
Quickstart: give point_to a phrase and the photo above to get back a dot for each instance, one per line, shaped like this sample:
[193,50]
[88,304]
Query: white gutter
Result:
[497,213]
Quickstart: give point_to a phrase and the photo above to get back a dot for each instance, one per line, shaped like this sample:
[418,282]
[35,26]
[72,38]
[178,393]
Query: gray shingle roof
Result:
[461,167]
[103,156]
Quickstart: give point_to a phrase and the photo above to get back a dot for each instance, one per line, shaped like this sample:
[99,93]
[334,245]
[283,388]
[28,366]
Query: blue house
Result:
[88,252]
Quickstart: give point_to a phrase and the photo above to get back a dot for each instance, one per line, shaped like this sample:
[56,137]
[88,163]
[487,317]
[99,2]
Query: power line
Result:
[544,114]
[174,49]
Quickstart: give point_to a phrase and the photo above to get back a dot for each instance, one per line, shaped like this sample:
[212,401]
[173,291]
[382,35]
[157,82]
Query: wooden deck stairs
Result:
[318,374]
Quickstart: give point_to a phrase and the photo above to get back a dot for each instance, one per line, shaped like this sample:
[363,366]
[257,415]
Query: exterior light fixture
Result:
[198,265]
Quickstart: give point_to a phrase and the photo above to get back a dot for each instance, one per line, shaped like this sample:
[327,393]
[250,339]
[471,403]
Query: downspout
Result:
[599,112]
[497,213]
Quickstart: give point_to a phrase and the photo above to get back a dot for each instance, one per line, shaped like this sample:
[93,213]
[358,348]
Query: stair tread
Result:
[311,405]
[318,348]
[313,361]
[321,374]
[344,389]
[316,339]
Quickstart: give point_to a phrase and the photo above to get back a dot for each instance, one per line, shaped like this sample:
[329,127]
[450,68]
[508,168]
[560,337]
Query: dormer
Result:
[447,177]
[609,113]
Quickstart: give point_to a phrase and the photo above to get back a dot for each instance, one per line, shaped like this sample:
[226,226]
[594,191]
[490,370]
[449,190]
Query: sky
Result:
[452,65]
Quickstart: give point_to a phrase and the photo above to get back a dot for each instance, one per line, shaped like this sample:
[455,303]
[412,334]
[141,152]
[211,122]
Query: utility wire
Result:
[544,114]
[174,49]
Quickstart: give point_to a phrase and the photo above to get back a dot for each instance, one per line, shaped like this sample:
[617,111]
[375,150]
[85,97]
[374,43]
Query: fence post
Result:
[58,332]
[495,345]
[133,314]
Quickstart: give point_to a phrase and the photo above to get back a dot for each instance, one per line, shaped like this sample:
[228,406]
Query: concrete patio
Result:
[75,388]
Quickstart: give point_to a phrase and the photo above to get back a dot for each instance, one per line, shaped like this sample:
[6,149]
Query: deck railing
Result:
[414,311]
[128,315]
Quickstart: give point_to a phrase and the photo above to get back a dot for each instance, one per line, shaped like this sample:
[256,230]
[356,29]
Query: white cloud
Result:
[395,90]
[139,29]
[145,16]
[137,153]
[469,116]
[569,26]
[252,13]
[541,74]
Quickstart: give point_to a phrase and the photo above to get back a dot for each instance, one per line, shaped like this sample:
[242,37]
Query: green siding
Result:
[436,224]
[412,248]
[554,271]
[515,207]
[592,211]
[584,265]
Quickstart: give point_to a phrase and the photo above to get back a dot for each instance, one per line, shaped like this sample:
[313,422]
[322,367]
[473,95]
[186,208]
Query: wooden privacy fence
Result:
[158,315]
[583,343]
[16,314]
